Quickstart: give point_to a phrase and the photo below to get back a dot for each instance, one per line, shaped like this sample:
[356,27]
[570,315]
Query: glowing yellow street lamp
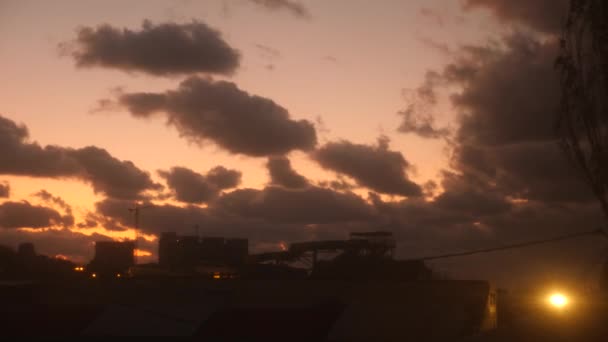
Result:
[558,300]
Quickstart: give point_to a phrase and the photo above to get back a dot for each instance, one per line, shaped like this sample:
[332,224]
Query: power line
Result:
[517,245]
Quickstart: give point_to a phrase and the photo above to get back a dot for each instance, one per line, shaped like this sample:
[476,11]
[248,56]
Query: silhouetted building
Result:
[189,251]
[213,249]
[167,250]
[113,256]
[368,247]
[236,251]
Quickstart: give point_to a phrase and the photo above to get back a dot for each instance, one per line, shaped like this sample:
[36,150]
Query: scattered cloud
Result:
[420,124]
[192,187]
[543,15]
[202,109]
[375,167]
[106,174]
[282,174]
[213,222]
[25,215]
[293,7]
[57,201]
[224,178]
[311,205]
[338,184]
[507,99]
[158,49]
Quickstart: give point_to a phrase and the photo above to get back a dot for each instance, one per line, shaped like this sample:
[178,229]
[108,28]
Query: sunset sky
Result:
[284,120]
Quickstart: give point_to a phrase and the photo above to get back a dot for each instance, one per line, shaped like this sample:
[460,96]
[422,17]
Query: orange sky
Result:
[357,96]
[348,65]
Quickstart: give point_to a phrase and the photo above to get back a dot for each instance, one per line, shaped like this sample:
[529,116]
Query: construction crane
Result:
[135,210]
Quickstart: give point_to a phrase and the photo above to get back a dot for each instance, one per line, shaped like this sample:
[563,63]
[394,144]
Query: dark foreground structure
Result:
[251,310]
[212,289]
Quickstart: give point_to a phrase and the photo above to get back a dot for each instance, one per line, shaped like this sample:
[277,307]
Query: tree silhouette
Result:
[582,122]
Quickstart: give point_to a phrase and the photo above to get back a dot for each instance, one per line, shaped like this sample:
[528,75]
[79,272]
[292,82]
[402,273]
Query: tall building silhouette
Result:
[113,256]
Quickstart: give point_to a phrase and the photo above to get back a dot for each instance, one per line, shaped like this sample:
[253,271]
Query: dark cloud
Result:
[5,190]
[418,115]
[202,109]
[49,198]
[419,216]
[192,187]
[68,218]
[155,218]
[54,242]
[463,196]
[224,178]
[421,125]
[309,206]
[508,98]
[270,215]
[87,223]
[429,228]
[162,218]
[25,215]
[542,15]
[115,178]
[20,157]
[338,184]
[189,186]
[157,49]
[538,171]
[507,134]
[281,173]
[93,165]
[510,95]
[94,220]
[293,7]
[463,203]
[375,167]
[510,182]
